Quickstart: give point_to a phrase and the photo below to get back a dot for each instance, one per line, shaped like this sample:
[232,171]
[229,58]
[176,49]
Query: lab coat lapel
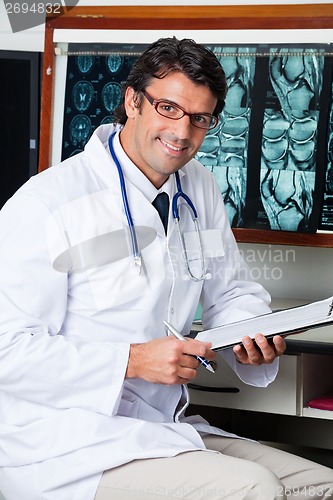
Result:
[143,213]
[139,194]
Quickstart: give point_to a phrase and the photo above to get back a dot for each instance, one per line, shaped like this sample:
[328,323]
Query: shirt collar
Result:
[136,177]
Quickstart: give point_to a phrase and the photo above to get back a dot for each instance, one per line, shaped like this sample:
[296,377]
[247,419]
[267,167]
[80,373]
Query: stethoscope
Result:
[187,203]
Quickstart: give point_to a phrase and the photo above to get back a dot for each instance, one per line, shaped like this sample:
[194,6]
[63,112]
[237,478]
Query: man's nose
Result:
[183,127]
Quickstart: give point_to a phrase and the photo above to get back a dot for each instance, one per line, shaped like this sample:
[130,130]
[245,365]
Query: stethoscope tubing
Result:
[180,194]
[175,210]
[135,246]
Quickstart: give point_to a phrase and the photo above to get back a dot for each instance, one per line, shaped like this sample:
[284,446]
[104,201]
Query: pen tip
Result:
[210,368]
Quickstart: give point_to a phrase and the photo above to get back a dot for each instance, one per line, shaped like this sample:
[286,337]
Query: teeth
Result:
[170,146]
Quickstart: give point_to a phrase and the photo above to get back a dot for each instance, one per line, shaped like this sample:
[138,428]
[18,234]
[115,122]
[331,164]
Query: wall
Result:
[291,272]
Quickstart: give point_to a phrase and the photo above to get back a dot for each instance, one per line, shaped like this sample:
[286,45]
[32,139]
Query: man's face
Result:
[158,145]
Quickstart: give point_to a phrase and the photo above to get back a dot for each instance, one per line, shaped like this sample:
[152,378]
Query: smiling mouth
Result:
[171,147]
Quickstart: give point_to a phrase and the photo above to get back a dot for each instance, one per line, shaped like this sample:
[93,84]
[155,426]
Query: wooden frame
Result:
[242,17]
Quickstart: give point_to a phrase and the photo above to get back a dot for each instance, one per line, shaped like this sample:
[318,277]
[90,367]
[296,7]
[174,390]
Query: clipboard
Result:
[284,322]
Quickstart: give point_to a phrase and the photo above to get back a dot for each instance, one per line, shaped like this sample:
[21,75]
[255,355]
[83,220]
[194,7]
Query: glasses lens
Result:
[204,121]
[169,110]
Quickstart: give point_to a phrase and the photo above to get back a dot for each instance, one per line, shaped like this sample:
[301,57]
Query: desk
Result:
[306,372]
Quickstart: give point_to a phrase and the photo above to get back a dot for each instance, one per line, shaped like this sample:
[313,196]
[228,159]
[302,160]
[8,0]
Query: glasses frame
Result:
[156,102]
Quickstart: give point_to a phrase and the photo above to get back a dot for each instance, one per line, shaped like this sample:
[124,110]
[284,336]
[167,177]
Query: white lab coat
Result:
[72,302]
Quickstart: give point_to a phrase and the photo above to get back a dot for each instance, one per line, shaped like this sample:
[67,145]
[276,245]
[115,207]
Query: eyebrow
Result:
[165,99]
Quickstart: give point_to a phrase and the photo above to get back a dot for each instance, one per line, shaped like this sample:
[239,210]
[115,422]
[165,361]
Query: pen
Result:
[179,336]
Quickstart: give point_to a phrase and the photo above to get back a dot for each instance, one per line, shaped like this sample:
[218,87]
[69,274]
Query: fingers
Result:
[247,353]
[167,360]
[195,348]
[188,362]
[185,374]
[260,350]
[182,368]
[279,344]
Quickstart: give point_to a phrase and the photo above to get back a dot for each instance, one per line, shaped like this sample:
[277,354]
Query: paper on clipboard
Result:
[283,322]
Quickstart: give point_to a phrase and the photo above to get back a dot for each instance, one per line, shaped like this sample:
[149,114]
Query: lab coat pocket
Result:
[123,281]
[128,407]
[211,241]
[208,246]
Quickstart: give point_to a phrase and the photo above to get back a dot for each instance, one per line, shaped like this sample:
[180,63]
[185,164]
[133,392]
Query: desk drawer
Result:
[281,396]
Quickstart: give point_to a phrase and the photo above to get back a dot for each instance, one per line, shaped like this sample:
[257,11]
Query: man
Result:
[93,390]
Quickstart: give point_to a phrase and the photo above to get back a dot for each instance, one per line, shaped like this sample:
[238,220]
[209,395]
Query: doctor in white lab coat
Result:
[89,378]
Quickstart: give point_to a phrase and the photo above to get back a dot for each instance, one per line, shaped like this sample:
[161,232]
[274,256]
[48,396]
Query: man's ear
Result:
[130,102]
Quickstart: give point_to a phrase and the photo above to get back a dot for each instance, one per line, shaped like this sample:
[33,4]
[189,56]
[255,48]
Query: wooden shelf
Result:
[302,16]
[323,240]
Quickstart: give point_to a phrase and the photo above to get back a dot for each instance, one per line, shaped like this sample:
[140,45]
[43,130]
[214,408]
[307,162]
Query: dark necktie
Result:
[161,203]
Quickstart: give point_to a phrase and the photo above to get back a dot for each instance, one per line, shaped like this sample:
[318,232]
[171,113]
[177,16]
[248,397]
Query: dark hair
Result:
[170,55]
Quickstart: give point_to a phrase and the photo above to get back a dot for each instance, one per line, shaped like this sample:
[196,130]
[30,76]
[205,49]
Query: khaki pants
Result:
[243,470]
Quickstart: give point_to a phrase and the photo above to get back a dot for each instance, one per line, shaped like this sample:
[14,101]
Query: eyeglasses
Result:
[175,112]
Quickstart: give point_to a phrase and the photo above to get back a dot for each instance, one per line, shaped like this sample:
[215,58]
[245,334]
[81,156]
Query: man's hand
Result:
[167,360]
[261,351]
